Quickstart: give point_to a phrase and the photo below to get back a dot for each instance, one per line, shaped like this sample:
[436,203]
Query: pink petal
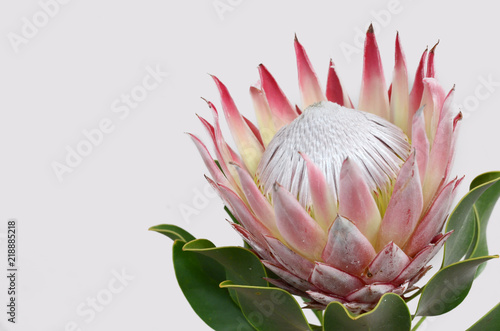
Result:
[333,280]
[323,199]
[433,221]
[222,150]
[257,245]
[323,298]
[209,127]
[254,129]
[308,81]
[212,167]
[399,97]
[388,263]
[243,214]
[225,150]
[418,85]
[370,293]
[432,101]
[420,143]
[292,261]
[211,131]
[285,286]
[334,90]
[405,206]
[288,277]
[456,125]
[216,188]
[431,72]
[257,202]
[282,110]
[401,289]
[373,97]
[347,248]
[421,259]
[448,108]
[263,114]
[356,201]
[248,144]
[298,229]
[441,153]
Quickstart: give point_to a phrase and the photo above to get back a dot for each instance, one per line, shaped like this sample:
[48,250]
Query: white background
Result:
[74,233]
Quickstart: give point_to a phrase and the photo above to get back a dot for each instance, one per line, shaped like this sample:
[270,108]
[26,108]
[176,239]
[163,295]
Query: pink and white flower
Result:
[342,203]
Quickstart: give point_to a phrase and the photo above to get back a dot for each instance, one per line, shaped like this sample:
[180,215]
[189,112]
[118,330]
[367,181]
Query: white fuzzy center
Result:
[329,133]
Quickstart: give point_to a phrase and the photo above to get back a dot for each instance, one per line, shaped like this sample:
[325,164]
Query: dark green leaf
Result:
[199,277]
[173,232]
[475,237]
[218,165]
[462,220]
[484,178]
[269,308]
[242,266]
[449,287]
[490,321]
[391,313]
[483,208]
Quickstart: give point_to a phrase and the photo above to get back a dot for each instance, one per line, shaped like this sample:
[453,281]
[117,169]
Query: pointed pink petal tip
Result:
[373,97]
[347,248]
[308,81]
[282,110]
[324,201]
[296,226]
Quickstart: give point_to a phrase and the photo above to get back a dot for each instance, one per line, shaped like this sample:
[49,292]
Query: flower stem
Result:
[419,323]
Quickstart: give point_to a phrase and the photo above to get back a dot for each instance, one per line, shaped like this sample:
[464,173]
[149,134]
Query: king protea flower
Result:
[342,203]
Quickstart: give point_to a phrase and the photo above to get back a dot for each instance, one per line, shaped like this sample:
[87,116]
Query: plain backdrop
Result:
[65,77]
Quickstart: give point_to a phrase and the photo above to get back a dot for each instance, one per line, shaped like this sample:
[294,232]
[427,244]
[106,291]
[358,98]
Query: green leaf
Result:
[173,232]
[449,287]
[199,278]
[484,178]
[490,321]
[391,313]
[241,265]
[462,220]
[483,208]
[269,308]
[475,237]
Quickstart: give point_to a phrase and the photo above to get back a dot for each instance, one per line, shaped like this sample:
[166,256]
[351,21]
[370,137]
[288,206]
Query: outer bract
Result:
[342,203]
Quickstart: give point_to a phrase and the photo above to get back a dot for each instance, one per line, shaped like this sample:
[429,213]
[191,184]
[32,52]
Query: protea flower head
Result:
[342,203]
